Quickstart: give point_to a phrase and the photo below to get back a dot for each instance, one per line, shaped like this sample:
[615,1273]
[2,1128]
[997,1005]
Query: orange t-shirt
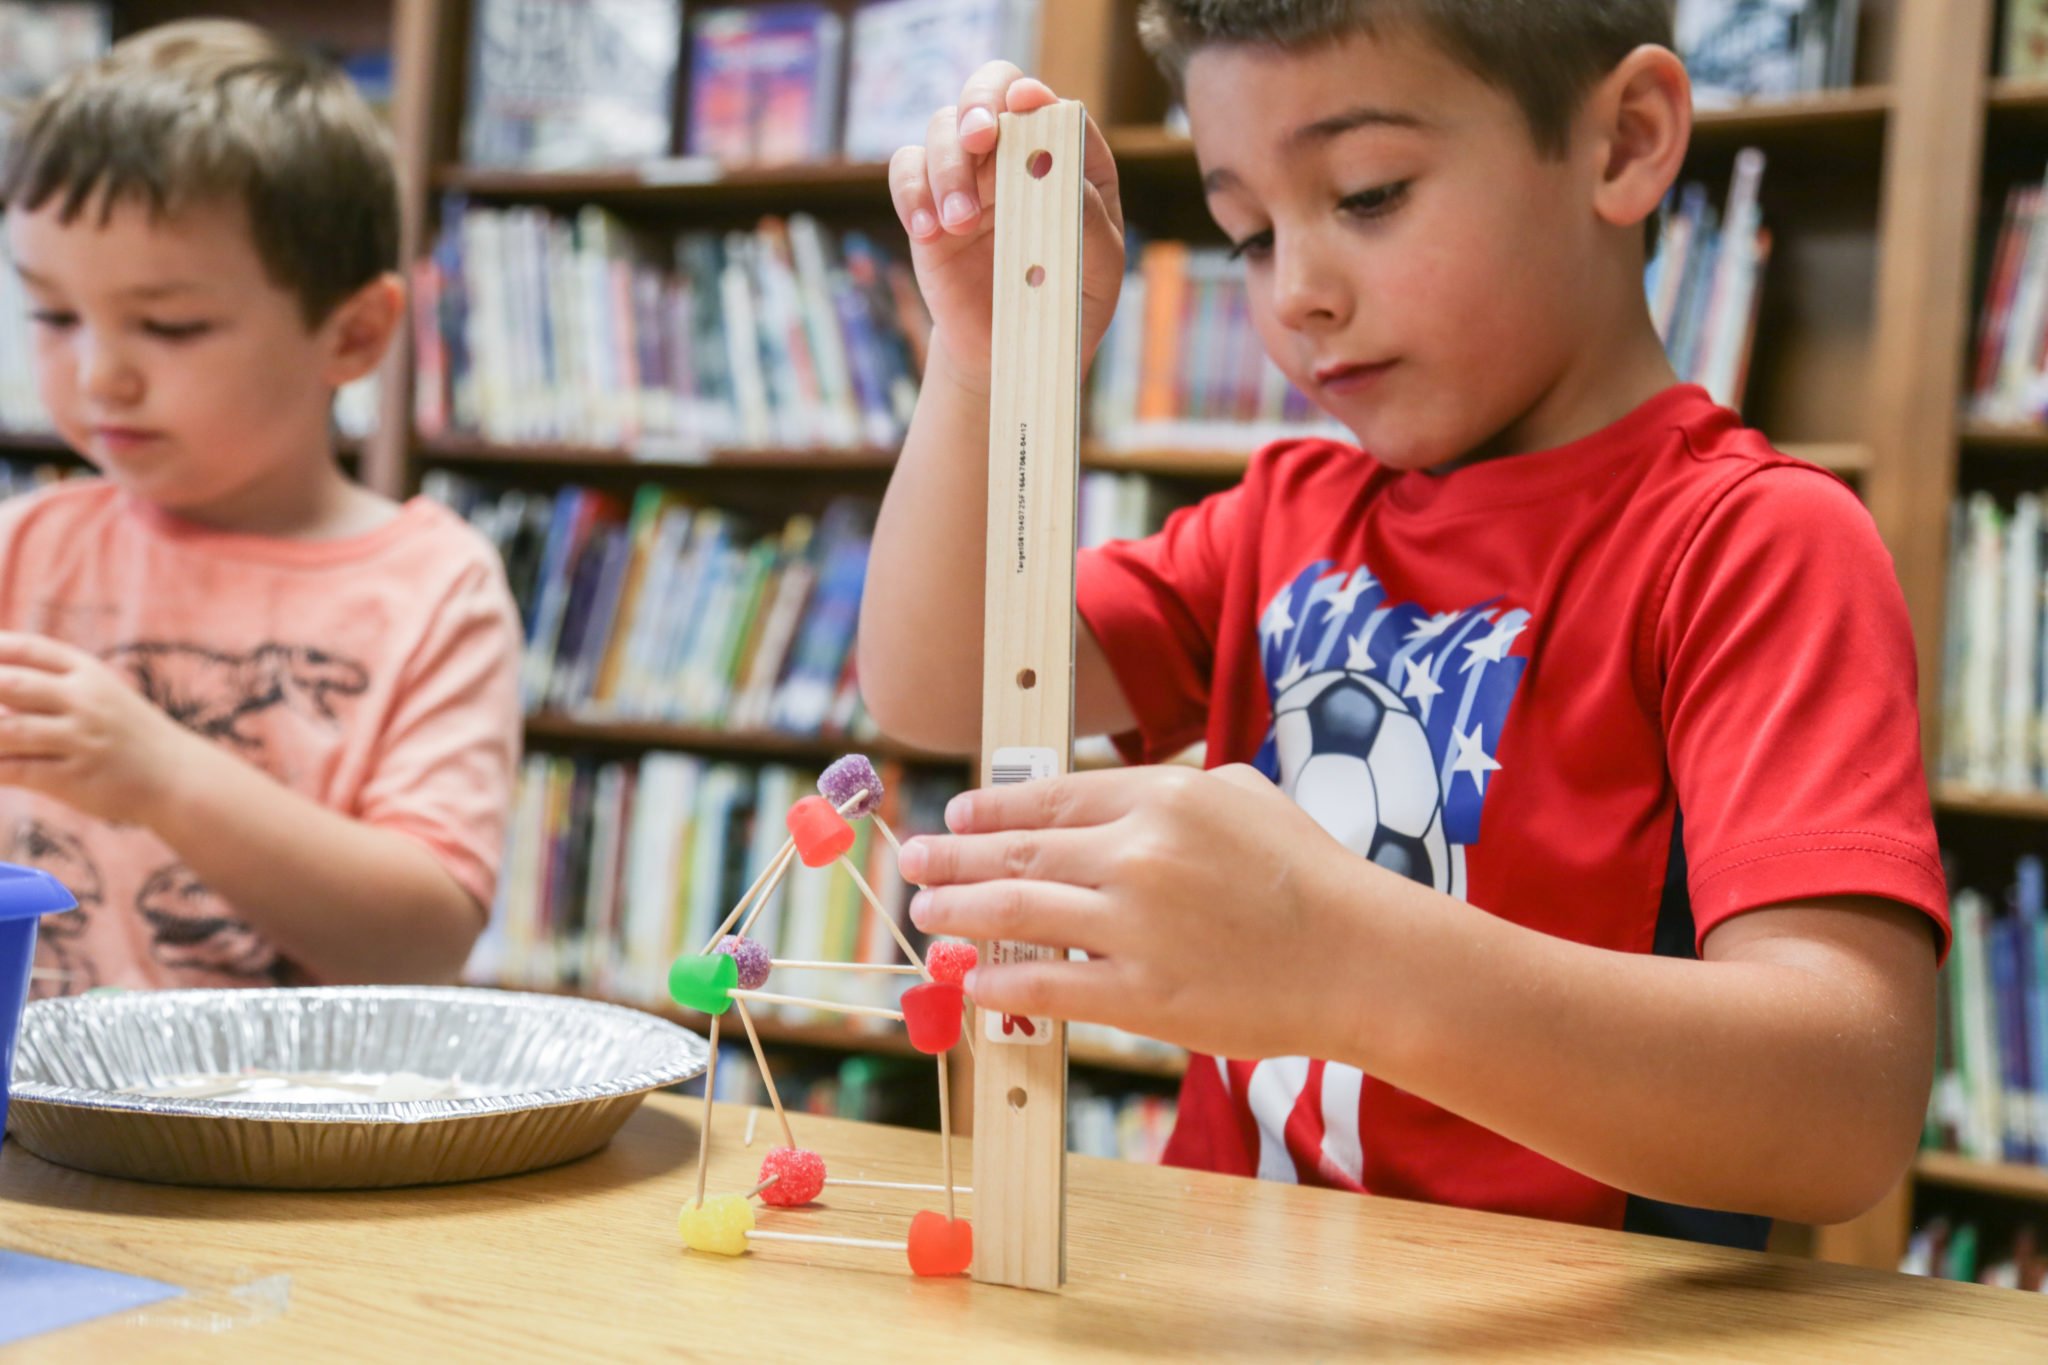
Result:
[377,674]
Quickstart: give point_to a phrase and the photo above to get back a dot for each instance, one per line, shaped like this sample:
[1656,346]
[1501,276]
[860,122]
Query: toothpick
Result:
[878,1012]
[865,1243]
[896,1185]
[761,1058]
[946,1134]
[769,876]
[887,833]
[903,967]
[875,904]
[704,1131]
[753,1115]
[762,1186]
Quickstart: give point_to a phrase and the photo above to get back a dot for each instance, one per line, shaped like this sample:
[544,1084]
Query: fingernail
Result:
[957,210]
[968,982]
[922,224]
[956,812]
[976,120]
[919,905]
[911,861]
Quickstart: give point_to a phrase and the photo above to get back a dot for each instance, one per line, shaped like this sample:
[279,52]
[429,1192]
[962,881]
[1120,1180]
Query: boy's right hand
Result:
[944,192]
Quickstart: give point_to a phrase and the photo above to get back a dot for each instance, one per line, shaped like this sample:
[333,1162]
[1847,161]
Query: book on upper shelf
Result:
[564,84]
[1742,50]
[41,41]
[909,57]
[764,84]
[1994,685]
[1705,282]
[2009,374]
[2023,45]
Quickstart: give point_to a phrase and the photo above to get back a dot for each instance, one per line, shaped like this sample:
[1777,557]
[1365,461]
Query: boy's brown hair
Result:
[212,109]
[1545,53]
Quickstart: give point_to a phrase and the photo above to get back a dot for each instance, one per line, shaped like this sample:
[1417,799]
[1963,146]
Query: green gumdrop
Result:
[704,982]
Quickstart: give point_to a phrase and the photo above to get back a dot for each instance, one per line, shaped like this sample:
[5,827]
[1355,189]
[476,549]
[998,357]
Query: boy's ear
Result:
[361,327]
[1641,124]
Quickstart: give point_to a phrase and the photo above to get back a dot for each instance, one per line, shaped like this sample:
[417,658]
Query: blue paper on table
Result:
[39,1295]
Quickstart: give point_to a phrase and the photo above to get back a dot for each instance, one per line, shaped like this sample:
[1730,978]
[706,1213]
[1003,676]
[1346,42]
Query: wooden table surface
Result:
[583,1261]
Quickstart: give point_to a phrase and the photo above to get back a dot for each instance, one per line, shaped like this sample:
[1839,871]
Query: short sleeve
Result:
[1789,707]
[445,762]
[1154,606]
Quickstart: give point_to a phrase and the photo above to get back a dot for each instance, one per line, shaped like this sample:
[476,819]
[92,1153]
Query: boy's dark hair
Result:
[1545,53]
[212,109]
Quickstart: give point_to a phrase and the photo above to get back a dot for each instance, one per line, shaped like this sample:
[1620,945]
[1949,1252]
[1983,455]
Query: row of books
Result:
[26,476]
[43,39]
[660,609]
[1705,281]
[561,84]
[1127,1125]
[2023,46]
[2009,373]
[1959,1251]
[1120,506]
[1990,1097]
[1994,715]
[1182,367]
[1740,50]
[871,1087]
[536,327]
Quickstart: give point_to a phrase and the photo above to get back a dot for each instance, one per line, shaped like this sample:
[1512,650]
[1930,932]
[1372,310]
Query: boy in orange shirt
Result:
[1575,856]
[261,721]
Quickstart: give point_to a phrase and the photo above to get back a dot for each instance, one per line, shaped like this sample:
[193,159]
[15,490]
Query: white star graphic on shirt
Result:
[1472,757]
[1421,685]
[1346,598]
[1433,627]
[1279,620]
[1359,658]
[1494,647]
[1292,676]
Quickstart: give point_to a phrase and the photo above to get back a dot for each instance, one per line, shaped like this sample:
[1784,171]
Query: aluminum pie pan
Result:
[536,1080]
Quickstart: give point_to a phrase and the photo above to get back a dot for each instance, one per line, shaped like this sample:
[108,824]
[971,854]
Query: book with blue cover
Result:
[566,84]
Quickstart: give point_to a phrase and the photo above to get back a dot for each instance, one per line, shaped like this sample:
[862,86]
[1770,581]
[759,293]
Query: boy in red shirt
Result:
[261,721]
[1574,856]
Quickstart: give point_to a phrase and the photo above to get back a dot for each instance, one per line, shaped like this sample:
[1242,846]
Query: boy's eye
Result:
[54,319]
[1255,246]
[1376,202]
[176,331]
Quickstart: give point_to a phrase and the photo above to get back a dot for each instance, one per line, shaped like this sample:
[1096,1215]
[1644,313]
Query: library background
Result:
[665,340]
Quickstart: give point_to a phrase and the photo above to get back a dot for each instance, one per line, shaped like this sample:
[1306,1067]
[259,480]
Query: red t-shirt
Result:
[1618,691]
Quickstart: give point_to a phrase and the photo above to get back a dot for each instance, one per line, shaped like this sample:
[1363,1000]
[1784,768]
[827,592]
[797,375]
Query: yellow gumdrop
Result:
[720,1226]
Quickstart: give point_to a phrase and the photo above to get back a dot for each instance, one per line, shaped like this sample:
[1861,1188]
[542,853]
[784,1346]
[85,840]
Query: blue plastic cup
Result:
[26,895]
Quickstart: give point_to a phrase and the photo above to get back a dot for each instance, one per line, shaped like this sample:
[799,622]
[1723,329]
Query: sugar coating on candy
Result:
[849,777]
[802,1175]
[940,1245]
[951,959]
[720,1226]
[752,958]
[821,833]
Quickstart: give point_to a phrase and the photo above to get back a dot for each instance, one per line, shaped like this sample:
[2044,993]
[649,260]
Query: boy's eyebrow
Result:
[139,291]
[1325,130]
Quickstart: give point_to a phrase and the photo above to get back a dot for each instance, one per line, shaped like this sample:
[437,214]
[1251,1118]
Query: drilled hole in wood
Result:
[1017,1097]
[1038,164]
[1035,276]
[1027,679]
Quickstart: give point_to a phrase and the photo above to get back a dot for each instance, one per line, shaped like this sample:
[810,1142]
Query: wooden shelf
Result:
[678,184]
[820,460]
[1964,800]
[1171,1066]
[2012,440]
[1955,1172]
[35,443]
[553,728]
[1861,109]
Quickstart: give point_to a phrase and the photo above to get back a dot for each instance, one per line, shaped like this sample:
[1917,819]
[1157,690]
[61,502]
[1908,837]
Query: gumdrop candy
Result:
[940,1245]
[802,1175]
[719,1226]
[821,833]
[931,1014]
[704,982]
[752,958]
[847,778]
[950,959]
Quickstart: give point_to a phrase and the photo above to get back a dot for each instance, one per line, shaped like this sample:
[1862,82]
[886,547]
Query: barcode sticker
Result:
[1010,766]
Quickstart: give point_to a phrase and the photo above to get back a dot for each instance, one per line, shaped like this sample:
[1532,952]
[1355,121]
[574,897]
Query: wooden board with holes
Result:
[1020,1086]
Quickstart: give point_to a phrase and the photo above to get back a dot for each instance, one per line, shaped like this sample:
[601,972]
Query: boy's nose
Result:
[1308,293]
[105,373]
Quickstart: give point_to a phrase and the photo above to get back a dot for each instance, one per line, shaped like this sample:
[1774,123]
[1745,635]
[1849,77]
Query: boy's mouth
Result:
[1350,378]
[123,438]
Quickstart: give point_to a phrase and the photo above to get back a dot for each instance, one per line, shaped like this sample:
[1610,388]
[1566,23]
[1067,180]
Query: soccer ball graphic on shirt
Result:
[1358,761]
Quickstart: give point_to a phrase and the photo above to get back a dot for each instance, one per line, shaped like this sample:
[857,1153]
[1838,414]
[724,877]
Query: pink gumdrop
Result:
[753,959]
[940,1245]
[802,1175]
[951,959]
[931,1015]
[821,833]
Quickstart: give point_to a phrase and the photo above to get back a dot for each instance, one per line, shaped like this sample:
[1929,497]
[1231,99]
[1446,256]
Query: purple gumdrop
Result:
[750,957]
[850,777]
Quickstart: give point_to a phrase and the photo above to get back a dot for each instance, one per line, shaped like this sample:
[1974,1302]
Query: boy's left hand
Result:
[74,729]
[1204,900]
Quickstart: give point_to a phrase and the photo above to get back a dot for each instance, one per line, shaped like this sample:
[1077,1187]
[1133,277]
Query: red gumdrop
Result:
[802,1172]
[950,959]
[821,833]
[940,1245]
[931,1014]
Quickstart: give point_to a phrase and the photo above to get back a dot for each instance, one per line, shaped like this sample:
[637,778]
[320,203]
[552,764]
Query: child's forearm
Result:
[347,902]
[1792,1087]
[921,613]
